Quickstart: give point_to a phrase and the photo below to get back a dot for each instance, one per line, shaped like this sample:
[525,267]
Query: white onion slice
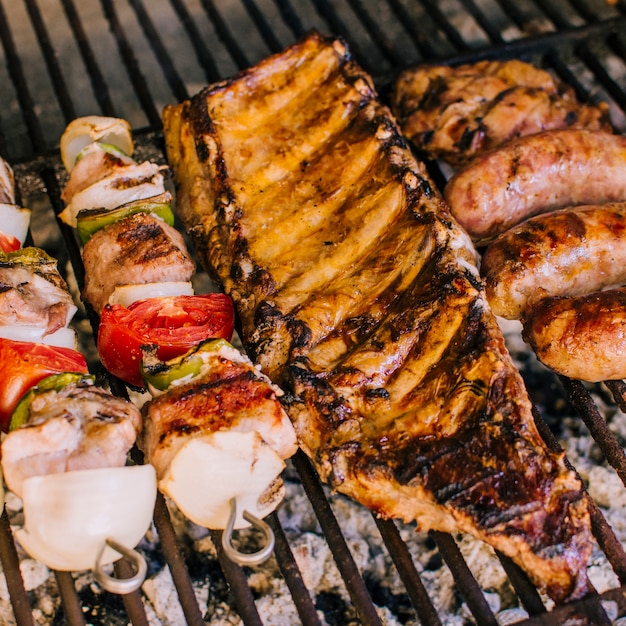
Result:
[62,338]
[125,184]
[209,470]
[68,516]
[15,221]
[91,128]
[127,294]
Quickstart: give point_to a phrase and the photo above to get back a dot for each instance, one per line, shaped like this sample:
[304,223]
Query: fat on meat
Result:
[358,293]
[138,249]
[82,426]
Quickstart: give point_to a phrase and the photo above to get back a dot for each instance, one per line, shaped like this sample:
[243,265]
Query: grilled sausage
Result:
[536,174]
[569,252]
[581,337]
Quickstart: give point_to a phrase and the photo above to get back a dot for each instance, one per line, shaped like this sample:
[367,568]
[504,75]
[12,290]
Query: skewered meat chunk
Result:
[455,113]
[359,294]
[135,250]
[82,426]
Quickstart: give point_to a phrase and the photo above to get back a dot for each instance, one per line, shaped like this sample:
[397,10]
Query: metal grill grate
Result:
[64,58]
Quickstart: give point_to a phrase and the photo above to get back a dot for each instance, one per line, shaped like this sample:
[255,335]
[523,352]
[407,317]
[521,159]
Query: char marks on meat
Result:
[359,294]
[138,249]
[454,113]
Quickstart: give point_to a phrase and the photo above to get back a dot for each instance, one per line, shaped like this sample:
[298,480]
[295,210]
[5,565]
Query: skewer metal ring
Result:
[247,558]
[121,585]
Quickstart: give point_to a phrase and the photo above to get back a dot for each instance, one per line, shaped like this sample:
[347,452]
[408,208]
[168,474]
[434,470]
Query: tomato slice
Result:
[8,243]
[23,364]
[174,323]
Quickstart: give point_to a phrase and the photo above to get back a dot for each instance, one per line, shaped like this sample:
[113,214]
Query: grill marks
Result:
[366,305]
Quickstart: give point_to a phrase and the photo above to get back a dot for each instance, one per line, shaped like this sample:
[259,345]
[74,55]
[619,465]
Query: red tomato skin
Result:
[23,364]
[8,243]
[174,323]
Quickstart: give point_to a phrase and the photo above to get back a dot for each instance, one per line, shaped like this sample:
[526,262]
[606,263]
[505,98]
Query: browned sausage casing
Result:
[569,252]
[581,337]
[536,174]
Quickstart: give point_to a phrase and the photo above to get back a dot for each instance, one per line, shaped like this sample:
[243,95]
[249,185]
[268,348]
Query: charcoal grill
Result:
[62,58]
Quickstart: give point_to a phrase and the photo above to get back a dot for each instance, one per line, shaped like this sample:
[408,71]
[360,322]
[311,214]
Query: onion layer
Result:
[15,221]
[209,470]
[69,516]
[91,128]
[127,294]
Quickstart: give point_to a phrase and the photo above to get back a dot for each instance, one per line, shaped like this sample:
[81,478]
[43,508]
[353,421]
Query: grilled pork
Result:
[7,183]
[359,294]
[454,113]
[218,435]
[82,426]
[138,249]
[33,292]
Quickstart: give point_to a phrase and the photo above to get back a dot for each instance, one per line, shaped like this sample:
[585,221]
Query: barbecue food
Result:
[217,435]
[359,294]
[581,337]
[138,249]
[570,252]
[33,293]
[455,113]
[535,174]
[81,426]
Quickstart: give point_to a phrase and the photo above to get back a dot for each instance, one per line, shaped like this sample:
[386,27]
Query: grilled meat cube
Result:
[33,292]
[453,113]
[82,426]
[7,183]
[221,435]
[359,294]
[138,249]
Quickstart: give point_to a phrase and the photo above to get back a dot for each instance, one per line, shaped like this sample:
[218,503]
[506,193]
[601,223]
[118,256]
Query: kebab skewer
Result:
[67,438]
[215,429]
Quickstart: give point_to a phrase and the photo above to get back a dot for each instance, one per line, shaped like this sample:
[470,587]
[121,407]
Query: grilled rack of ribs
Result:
[359,294]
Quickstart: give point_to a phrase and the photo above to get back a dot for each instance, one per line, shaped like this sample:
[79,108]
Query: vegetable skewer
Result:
[214,429]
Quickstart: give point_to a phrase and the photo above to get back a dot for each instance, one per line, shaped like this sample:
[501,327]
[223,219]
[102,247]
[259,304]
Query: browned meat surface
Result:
[359,294]
[534,175]
[34,295]
[136,250]
[454,113]
[231,397]
[7,183]
[570,252]
[80,427]
[581,337]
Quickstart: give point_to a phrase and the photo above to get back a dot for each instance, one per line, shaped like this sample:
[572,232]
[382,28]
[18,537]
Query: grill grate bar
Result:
[290,17]
[399,552]
[11,567]
[154,39]
[264,28]
[98,83]
[132,66]
[203,55]
[50,57]
[336,541]
[224,34]
[468,586]
[293,578]
[525,590]
[69,599]
[16,73]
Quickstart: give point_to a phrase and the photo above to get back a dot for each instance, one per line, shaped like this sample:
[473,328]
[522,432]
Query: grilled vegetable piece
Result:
[89,221]
[455,113]
[175,324]
[71,426]
[216,432]
[359,294]
[90,129]
[138,249]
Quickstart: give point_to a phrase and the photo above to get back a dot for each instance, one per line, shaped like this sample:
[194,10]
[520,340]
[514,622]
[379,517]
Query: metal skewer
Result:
[120,585]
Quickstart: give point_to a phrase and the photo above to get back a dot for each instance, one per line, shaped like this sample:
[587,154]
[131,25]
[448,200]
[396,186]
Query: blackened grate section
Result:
[62,58]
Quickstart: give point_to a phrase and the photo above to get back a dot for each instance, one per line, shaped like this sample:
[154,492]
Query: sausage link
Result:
[581,337]
[536,174]
[569,252]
